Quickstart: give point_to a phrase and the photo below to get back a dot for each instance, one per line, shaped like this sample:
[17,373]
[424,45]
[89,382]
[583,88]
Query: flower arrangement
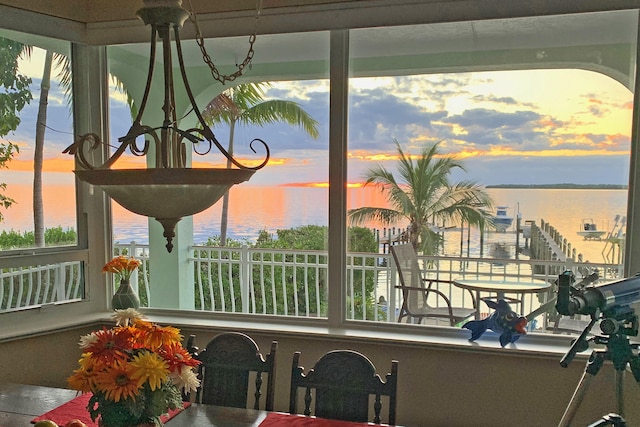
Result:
[122,266]
[135,371]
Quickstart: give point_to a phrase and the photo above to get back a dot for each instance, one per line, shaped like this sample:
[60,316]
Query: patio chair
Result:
[342,383]
[418,291]
[226,365]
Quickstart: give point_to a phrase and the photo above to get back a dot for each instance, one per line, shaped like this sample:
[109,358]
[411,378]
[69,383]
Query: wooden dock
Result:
[549,245]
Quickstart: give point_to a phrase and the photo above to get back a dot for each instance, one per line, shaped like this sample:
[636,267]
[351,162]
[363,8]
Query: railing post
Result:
[244,277]
[59,279]
[133,281]
[392,272]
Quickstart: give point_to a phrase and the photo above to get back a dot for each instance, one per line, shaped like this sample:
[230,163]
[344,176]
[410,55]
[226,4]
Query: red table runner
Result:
[77,409]
[276,419]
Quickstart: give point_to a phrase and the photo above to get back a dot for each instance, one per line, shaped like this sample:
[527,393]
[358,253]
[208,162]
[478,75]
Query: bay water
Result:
[254,208]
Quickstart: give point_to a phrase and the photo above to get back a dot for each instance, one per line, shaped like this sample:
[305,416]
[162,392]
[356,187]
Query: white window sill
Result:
[454,339]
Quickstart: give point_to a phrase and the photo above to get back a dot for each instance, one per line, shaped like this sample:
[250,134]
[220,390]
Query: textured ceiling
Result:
[95,11]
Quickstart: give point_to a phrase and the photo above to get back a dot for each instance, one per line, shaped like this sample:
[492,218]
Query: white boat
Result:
[589,230]
[501,220]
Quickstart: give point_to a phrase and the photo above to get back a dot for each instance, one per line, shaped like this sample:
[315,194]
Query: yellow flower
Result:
[151,368]
[83,378]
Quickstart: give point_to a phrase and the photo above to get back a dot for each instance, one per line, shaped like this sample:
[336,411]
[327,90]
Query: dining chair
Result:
[227,365]
[344,382]
[418,291]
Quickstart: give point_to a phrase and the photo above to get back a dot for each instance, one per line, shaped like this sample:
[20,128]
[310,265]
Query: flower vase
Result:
[125,297]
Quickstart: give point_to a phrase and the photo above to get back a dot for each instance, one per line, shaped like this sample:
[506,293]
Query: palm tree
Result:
[425,196]
[62,62]
[244,104]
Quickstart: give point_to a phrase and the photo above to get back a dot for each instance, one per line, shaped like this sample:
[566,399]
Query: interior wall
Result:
[437,387]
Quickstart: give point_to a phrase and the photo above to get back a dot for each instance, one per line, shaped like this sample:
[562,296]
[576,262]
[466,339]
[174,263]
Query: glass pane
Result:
[538,114]
[42,131]
[281,213]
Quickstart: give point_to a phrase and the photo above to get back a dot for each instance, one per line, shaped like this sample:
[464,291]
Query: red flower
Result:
[177,356]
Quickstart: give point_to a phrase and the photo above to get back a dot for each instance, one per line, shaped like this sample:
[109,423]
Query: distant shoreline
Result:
[563,186]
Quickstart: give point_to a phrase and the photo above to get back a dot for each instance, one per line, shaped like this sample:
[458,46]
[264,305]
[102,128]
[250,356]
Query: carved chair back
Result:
[228,363]
[346,387]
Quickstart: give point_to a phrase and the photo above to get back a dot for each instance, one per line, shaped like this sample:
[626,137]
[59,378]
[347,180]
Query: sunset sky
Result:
[541,126]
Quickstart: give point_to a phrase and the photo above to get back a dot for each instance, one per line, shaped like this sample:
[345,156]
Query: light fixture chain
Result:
[223,78]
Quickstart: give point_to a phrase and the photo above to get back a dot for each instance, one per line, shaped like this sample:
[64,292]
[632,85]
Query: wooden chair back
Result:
[227,364]
[341,385]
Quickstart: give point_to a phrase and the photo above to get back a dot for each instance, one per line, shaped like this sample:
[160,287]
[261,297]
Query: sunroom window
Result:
[273,260]
[39,234]
[537,111]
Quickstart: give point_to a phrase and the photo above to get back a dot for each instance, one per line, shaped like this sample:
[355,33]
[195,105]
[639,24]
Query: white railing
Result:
[26,287]
[293,282]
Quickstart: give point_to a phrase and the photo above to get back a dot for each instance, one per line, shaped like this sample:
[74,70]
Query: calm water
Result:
[253,209]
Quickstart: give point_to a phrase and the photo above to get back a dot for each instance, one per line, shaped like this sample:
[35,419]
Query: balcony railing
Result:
[26,287]
[293,282]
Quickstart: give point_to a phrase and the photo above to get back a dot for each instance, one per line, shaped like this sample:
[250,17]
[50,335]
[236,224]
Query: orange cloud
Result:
[320,184]
[57,164]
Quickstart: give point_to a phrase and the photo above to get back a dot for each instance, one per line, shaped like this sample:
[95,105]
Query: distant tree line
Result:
[55,236]
[563,186]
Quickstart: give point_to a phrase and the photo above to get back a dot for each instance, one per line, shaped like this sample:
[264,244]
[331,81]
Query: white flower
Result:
[126,317]
[186,379]
[88,340]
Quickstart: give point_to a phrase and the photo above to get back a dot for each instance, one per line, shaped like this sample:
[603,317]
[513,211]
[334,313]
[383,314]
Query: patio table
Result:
[502,287]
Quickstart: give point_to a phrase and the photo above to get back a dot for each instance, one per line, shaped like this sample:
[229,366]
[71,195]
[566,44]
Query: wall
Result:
[436,387]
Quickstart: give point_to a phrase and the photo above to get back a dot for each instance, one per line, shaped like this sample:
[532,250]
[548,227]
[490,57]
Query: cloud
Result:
[502,138]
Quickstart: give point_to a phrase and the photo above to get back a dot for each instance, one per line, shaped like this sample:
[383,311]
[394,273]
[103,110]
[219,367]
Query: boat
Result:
[589,230]
[501,220]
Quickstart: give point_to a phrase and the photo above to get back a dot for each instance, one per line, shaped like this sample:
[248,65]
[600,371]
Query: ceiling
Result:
[96,21]
[465,37]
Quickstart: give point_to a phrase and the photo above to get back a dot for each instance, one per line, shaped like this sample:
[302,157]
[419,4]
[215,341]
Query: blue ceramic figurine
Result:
[503,320]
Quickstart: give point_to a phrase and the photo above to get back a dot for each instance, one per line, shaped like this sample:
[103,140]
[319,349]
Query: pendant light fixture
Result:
[170,190]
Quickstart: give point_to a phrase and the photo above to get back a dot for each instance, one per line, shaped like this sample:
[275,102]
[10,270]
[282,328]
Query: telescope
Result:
[608,299]
[611,304]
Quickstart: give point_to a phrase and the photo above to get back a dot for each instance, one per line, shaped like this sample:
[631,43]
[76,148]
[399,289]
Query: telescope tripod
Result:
[619,351]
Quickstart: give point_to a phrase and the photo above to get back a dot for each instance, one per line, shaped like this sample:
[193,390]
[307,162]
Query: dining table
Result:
[20,404]
[501,287]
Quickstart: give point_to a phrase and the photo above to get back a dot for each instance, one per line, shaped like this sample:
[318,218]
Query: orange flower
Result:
[117,382]
[122,266]
[110,345]
[177,356]
[156,336]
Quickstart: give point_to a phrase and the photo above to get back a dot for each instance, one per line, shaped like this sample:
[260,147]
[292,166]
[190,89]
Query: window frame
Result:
[91,113]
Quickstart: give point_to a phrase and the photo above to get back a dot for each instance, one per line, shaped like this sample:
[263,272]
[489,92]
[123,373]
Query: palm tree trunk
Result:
[38,208]
[225,199]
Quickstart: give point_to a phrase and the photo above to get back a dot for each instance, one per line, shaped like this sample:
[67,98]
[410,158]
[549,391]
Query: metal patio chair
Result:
[418,291]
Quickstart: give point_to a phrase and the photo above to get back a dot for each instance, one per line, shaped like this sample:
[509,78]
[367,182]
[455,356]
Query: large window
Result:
[282,99]
[538,112]
[37,186]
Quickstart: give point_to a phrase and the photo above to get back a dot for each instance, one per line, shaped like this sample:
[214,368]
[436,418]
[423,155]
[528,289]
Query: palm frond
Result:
[361,216]
[274,111]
